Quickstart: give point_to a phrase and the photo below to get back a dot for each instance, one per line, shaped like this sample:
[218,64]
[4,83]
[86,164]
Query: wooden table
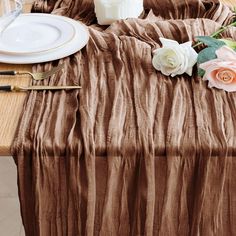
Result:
[11,103]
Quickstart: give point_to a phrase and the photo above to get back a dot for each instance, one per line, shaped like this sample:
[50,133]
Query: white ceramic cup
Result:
[108,11]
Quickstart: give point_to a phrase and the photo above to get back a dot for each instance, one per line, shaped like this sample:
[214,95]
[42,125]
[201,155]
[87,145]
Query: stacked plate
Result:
[35,38]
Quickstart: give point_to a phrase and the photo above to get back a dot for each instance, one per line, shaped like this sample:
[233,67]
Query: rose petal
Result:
[189,71]
[167,70]
[205,65]
[193,57]
[168,42]
[226,53]
[164,71]
[187,44]
[155,62]
[210,85]
[208,74]
[226,87]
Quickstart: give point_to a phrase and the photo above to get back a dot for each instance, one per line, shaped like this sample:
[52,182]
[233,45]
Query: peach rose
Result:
[221,72]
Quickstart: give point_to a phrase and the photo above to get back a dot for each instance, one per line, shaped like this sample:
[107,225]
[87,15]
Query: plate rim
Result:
[38,57]
[46,50]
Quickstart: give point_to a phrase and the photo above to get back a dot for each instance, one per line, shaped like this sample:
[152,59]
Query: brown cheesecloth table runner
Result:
[133,152]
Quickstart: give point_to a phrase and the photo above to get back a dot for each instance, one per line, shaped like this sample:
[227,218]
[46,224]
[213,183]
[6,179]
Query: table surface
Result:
[11,103]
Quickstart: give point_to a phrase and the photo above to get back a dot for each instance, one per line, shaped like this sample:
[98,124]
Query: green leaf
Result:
[201,72]
[206,54]
[210,41]
[229,43]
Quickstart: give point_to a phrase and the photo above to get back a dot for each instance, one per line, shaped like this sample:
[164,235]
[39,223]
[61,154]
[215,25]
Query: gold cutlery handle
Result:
[43,87]
[11,88]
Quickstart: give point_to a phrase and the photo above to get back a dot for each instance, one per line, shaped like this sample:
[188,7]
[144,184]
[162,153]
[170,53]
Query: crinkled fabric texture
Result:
[133,152]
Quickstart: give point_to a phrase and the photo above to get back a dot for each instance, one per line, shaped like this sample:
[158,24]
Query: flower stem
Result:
[217,33]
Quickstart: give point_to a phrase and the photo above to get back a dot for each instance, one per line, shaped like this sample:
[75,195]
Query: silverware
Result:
[35,76]
[12,88]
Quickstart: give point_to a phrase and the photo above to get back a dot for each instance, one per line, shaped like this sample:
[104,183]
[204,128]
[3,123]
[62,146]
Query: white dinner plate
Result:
[68,39]
[36,33]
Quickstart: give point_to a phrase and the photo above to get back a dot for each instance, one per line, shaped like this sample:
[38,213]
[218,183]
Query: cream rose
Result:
[221,72]
[174,58]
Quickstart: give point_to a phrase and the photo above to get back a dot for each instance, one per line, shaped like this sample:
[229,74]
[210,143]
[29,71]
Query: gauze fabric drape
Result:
[133,152]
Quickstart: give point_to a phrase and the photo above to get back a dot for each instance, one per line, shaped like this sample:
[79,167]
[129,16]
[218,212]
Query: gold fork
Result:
[37,75]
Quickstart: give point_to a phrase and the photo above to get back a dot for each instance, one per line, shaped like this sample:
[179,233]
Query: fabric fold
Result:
[134,152]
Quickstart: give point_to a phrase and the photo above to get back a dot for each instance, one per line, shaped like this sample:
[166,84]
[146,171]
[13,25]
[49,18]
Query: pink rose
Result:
[221,72]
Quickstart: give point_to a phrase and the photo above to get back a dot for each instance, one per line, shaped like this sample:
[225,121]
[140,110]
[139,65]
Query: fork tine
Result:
[46,74]
[53,70]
